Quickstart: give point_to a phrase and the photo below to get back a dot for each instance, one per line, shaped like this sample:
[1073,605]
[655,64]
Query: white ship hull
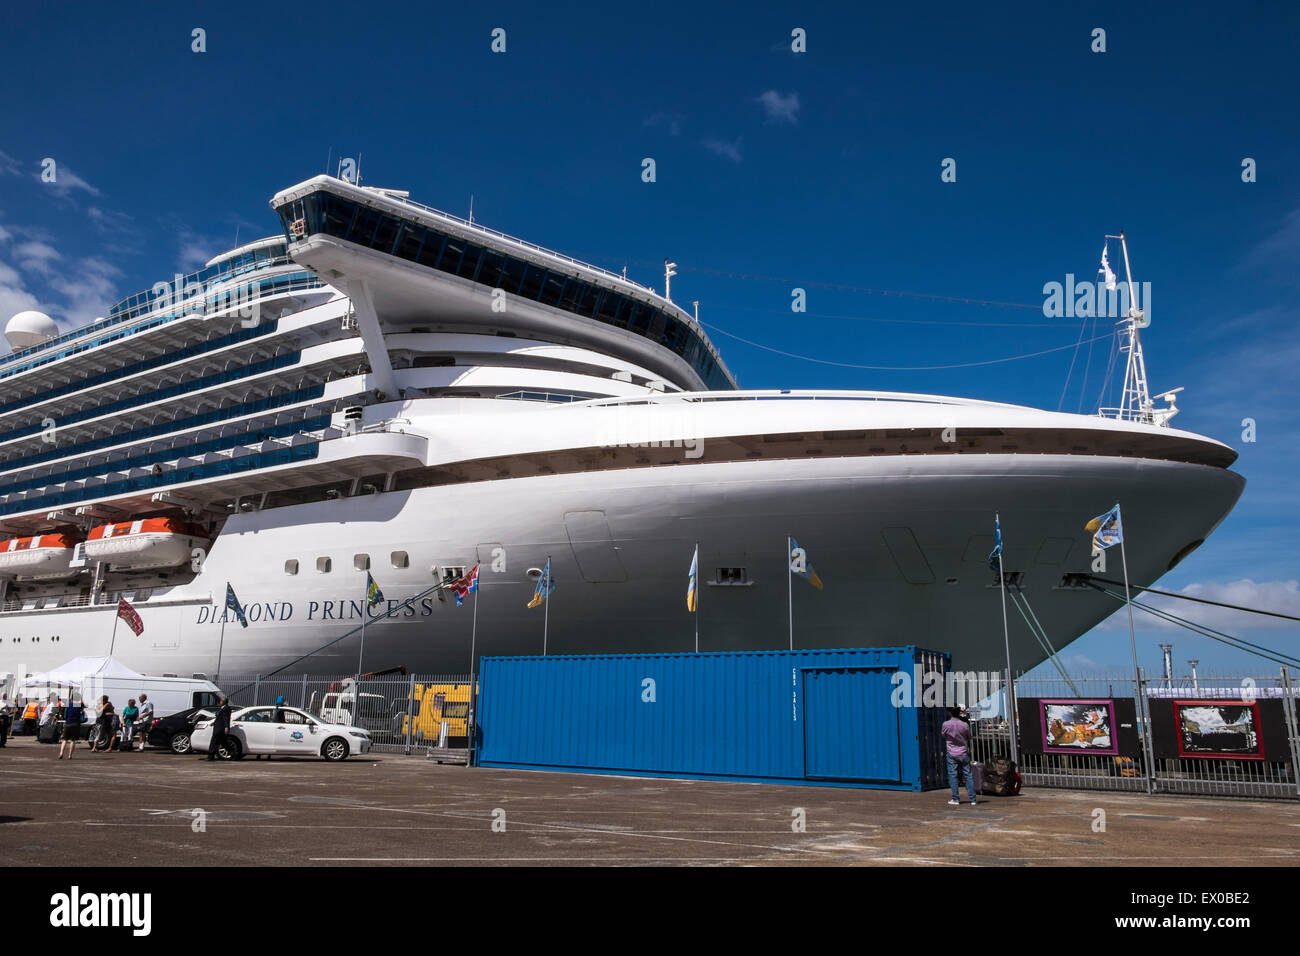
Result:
[740,513]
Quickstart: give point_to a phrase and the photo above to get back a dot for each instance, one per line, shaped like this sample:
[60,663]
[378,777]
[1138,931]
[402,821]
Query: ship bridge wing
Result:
[409,267]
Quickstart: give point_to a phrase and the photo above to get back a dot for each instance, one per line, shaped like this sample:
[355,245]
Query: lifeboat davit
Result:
[145,543]
[42,556]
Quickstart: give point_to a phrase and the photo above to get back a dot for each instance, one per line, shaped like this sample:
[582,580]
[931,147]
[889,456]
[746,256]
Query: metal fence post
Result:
[1144,714]
[257,686]
[410,716]
[470,717]
[1293,735]
[303,700]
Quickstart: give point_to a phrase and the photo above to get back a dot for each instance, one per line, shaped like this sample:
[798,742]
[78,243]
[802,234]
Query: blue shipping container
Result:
[827,717]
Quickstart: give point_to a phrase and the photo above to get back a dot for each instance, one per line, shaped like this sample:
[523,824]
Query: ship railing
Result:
[204,306]
[796,395]
[384,425]
[1126,415]
[308,437]
[533,395]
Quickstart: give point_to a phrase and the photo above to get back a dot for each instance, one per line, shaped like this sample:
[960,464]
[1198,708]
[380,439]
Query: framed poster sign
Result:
[1219,728]
[1072,726]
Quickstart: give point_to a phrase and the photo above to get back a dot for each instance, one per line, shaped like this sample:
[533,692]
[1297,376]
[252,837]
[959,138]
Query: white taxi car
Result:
[267,729]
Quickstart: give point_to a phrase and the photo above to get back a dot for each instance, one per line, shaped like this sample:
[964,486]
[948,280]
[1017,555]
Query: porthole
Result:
[324,565]
[291,566]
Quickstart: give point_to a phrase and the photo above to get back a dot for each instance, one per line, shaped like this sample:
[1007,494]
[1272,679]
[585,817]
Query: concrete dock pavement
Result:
[154,808]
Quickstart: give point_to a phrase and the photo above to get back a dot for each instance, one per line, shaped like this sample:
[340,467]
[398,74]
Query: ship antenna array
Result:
[338,171]
[1135,399]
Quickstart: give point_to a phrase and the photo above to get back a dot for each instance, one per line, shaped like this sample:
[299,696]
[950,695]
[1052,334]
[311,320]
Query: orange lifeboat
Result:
[145,543]
[42,556]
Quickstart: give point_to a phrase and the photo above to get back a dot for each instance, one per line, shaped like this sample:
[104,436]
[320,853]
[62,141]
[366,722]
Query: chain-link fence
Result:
[404,714]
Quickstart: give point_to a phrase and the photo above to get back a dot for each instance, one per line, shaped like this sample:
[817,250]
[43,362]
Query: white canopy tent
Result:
[72,675]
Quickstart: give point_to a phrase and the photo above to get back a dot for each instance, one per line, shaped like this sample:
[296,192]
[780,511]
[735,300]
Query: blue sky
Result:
[773,170]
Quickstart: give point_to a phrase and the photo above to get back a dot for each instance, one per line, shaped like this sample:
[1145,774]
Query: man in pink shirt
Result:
[956,735]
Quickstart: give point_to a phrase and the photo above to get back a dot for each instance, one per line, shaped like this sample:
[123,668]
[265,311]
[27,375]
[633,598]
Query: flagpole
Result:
[697,597]
[365,609]
[473,683]
[546,601]
[1132,636]
[113,640]
[789,588]
[1010,693]
[221,644]
[1128,602]
[473,634]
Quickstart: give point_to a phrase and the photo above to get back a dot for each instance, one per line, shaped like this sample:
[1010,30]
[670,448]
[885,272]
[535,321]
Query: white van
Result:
[169,695]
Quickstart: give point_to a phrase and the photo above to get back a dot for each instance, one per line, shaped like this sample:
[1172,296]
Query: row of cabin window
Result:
[362,562]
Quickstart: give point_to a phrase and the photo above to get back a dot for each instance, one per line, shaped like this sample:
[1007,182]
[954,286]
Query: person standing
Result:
[220,727]
[49,721]
[105,723]
[31,713]
[956,736]
[74,715]
[6,717]
[146,718]
[130,713]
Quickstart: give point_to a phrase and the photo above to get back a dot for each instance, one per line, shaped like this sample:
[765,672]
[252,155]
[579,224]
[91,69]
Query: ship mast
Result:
[1136,403]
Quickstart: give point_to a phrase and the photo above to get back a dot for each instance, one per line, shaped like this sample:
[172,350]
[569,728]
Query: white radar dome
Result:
[28,329]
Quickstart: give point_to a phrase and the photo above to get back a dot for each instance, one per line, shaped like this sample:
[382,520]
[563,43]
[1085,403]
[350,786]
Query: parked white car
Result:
[267,729]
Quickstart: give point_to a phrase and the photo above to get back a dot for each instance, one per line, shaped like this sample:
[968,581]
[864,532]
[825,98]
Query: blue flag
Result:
[545,585]
[995,556]
[692,583]
[373,594]
[800,565]
[1106,529]
[232,604]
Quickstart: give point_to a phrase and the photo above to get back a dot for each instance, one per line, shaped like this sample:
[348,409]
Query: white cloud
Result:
[108,220]
[1081,662]
[780,107]
[196,250]
[1281,248]
[671,121]
[36,256]
[1280,596]
[14,298]
[88,291]
[65,181]
[72,290]
[727,150]
[9,166]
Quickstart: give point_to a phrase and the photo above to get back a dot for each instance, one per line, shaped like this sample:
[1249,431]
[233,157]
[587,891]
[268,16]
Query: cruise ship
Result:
[387,392]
